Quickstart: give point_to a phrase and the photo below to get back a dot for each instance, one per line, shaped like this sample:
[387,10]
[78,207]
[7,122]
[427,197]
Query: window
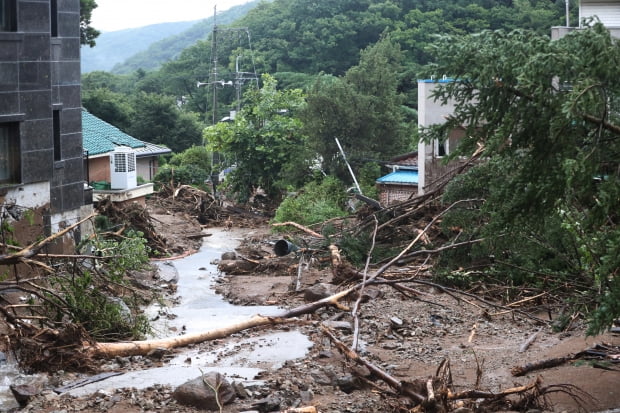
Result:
[56,128]
[7,16]
[9,153]
[54,17]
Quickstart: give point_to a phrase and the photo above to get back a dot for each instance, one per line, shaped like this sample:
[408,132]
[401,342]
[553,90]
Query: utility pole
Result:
[214,59]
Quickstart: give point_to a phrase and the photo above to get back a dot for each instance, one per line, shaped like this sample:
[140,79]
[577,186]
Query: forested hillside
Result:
[168,47]
[115,47]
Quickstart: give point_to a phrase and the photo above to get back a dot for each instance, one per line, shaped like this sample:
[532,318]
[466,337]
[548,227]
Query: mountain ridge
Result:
[148,47]
[116,46]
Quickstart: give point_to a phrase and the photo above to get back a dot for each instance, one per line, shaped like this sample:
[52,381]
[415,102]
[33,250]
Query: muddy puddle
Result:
[200,309]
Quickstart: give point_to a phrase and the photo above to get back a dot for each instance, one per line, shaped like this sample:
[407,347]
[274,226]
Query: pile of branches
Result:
[187,199]
[136,217]
[206,209]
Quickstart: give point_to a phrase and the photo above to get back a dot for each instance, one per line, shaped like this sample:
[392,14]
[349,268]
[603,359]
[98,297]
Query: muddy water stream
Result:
[200,309]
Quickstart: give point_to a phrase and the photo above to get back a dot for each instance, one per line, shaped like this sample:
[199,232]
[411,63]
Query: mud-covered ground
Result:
[405,334]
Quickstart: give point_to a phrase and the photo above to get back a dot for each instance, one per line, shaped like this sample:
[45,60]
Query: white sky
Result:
[112,15]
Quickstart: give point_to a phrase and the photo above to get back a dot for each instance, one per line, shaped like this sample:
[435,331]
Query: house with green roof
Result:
[117,161]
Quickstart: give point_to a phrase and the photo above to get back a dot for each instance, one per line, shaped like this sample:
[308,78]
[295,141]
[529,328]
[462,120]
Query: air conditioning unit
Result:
[123,168]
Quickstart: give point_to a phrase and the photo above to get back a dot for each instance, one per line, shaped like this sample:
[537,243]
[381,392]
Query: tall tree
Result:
[363,109]
[547,115]
[88,34]
[264,142]
[157,119]
[114,108]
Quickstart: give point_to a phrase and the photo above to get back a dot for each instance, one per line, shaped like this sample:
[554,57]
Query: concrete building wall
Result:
[40,101]
[147,167]
[99,169]
[431,167]
[608,11]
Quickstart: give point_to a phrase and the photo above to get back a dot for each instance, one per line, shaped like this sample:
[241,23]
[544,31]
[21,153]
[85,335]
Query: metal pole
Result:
[214,58]
[348,166]
[238,84]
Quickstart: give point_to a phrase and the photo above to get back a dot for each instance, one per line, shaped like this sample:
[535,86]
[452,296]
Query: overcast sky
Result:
[112,15]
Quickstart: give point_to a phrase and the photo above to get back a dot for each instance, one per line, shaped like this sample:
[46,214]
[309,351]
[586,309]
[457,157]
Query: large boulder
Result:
[204,392]
[319,291]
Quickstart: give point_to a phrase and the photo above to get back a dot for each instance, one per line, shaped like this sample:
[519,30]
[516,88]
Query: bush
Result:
[316,202]
[196,155]
[90,297]
[182,175]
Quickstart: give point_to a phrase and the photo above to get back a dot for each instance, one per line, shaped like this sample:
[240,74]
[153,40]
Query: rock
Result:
[23,393]
[200,392]
[168,273]
[236,266]
[339,325]
[229,256]
[158,353]
[321,377]
[347,383]
[369,294]
[240,390]
[306,396]
[2,358]
[268,404]
[396,323]
[24,388]
[318,291]
[325,354]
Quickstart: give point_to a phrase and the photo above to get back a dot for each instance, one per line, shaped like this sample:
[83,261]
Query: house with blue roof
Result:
[117,161]
[402,183]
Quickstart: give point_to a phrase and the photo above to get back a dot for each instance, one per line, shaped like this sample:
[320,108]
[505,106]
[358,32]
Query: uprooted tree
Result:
[547,114]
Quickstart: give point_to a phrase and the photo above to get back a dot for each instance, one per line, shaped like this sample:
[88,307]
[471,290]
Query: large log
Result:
[144,347]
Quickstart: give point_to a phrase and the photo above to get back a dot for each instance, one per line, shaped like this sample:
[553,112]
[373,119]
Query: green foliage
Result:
[112,107]
[7,233]
[87,297]
[264,140]
[102,317]
[158,120]
[367,178]
[357,248]
[361,109]
[132,253]
[315,203]
[547,114]
[189,174]
[88,34]
[196,155]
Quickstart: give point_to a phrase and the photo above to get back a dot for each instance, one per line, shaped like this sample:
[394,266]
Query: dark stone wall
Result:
[39,74]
